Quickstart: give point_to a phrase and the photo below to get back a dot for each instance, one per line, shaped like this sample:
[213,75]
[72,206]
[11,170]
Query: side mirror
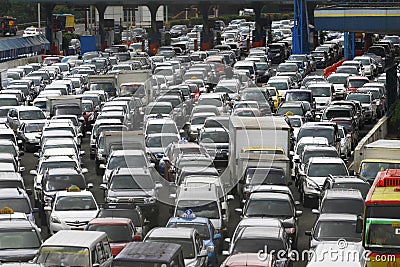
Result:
[103,187]
[82,153]
[230,197]
[203,253]
[158,186]
[225,253]
[36,154]
[84,170]
[89,185]
[359,224]
[307,233]
[28,191]
[47,208]
[297,203]
[238,211]
[217,236]
[227,240]
[172,196]
[137,238]
[102,166]
[33,172]
[299,213]
[315,211]
[21,169]
[21,153]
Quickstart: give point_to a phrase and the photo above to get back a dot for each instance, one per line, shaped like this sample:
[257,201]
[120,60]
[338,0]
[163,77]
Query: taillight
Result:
[137,238]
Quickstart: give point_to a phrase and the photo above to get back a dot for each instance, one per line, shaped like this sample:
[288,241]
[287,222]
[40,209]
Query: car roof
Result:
[270,195]
[110,221]
[10,176]
[154,252]
[259,232]
[73,238]
[165,232]
[130,152]
[189,220]
[343,193]
[324,160]
[12,193]
[16,224]
[254,221]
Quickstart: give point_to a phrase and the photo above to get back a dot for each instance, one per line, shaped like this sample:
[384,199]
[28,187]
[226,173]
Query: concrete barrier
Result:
[379,131]
[20,62]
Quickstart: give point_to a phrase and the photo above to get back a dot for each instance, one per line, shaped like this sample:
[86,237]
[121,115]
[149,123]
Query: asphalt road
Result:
[306,221]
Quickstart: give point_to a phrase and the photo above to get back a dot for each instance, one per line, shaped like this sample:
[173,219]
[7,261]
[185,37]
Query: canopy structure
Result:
[21,47]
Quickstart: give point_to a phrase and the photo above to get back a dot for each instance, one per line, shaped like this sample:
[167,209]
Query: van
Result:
[75,248]
[155,254]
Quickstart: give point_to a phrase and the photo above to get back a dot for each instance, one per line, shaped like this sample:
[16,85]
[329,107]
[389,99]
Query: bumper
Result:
[368,114]
[56,227]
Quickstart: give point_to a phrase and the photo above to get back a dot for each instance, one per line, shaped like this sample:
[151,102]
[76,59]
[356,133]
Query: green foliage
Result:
[5,7]
[66,39]
[394,121]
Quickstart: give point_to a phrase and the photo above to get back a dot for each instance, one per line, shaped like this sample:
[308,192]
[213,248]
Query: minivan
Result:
[76,248]
[154,254]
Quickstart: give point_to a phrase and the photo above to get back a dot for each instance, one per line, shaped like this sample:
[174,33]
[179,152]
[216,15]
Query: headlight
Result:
[55,220]
[47,199]
[150,200]
[312,184]
[99,156]
[290,230]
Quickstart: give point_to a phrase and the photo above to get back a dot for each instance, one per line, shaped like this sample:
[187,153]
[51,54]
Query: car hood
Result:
[18,255]
[322,100]
[318,180]
[31,136]
[215,145]
[117,247]
[75,215]
[131,193]
[33,121]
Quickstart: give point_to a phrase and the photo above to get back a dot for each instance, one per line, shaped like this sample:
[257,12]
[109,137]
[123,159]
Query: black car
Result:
[178,30]
[346,182]
[136,186]
[263,72]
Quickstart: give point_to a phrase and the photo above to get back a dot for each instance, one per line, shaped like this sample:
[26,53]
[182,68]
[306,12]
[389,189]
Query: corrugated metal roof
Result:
[17,47]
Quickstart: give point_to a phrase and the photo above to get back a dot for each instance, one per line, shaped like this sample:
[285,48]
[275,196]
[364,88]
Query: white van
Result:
[75,248]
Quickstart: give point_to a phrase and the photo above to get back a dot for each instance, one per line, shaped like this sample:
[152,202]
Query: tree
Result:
[4,7]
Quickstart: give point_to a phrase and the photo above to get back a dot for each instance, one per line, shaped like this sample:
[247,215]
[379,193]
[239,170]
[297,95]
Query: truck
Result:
[64,105]
[64,22]
[109,141]
[136,83]
[8,25]
[377,156]
[107,83]
[244,132]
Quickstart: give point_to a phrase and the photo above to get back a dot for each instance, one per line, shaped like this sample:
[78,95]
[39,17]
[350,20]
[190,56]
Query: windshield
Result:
[200,227]
[34,127]
[8,102]
[269,208]
[19,239]
[225,89]
[63,256]
[337,79]
[352,206]
[161,141]
[336,113]
[127,182]
[319,153]
[115,233]
[16,204]
[298,96]
[68,110]
[56,164]
[214,137]
[357,83]
[328,231]
[126,161]
[9,149]
[326,169]
[265,177]
[369,170]
[106,87]
[87,107]
[256,245]
[290,110]
[363,98]
[321,91]
[279,85]
[198,120]
[287,68]
[10,184]
[383,235]
[317,132]
[131,90]
[158,110]
[348,70]
[75,203]
[31,115]
[161,128]
[210,101]
[60,182]
[254,95]
[207,209]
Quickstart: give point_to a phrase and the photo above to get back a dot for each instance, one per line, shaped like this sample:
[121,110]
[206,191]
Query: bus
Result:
[381,233]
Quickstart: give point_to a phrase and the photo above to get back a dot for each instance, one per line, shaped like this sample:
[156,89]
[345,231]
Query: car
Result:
[341,200]
[355,82]
[28,133]
[216,142]
[20,238]
[194,252]
[256,239]
[247,259]
[314,175]
[134,185]
[158,126]
[345,143]
[326,225]
[120,231]
[367,103]
[328,130]
[346,182]
[323,94]
[378,98]
[72,209]
[339,81]
[275,202]
[262,96]
[126,210]
[30,31]
[13,180]
[291,108]
[206,230]
[17,200]
[125,159]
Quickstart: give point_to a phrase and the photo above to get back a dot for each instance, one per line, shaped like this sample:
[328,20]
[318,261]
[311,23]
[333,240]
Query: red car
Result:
[89,113]
[120,231]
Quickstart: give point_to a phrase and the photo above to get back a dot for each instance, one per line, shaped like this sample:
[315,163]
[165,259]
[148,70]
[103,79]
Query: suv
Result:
[346,182]
[367,103]
[314,175]
[18,200]
[341,200]
[133,185]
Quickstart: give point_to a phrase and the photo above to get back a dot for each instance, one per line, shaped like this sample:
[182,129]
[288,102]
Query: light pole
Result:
[38,8]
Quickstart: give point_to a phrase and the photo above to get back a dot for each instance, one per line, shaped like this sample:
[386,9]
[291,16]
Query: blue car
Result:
[206,230]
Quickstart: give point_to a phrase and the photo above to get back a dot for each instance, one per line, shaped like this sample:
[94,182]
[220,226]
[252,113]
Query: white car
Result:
[72,210]
[31,31]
